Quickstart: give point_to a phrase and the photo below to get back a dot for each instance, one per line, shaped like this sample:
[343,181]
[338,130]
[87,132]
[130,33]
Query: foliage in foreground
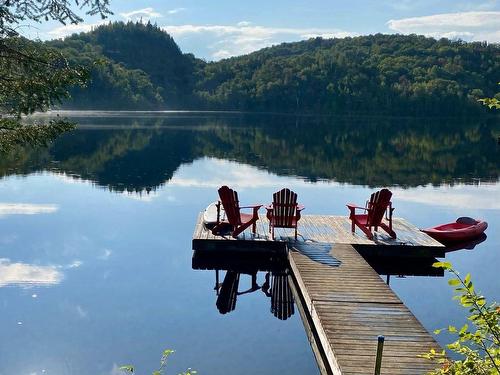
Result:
[479,344]
[129,369]
[34,77]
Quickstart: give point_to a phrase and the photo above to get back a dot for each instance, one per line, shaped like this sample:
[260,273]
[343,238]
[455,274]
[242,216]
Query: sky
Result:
[218,29]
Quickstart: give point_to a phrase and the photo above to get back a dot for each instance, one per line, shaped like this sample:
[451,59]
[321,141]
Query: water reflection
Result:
[26,275]
[142,153]
[402,267]
[271,269]
[26,209]
[467,245]
[131,278]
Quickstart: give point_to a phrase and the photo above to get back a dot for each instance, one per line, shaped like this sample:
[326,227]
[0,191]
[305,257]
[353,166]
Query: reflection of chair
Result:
[228,290]
[281,295]
[379,203]
[284,212]
[226,301]
[238,221]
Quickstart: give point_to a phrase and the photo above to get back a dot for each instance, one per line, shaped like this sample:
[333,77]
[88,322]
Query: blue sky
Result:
[220,28]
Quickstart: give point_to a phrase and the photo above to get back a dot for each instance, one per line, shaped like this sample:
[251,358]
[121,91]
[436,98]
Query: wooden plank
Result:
[349,306]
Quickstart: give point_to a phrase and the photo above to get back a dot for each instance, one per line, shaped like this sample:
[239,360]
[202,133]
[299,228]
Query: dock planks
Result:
[410,240]
[350,306]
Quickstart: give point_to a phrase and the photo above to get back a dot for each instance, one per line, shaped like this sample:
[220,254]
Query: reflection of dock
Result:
[343,302]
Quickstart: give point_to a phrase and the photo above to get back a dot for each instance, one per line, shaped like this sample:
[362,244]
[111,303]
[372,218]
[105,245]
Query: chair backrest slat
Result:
[284,207]
[229,200]
[377,206]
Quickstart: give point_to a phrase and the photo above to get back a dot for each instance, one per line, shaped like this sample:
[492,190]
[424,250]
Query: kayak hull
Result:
[462,230]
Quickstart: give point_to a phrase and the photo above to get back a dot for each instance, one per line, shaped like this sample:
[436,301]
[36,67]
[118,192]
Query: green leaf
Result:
[454,282]
[127,368]
[464,329]
[444,265]
[167,352]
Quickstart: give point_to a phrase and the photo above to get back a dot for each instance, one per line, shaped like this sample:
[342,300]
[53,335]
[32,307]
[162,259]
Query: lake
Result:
[95,231]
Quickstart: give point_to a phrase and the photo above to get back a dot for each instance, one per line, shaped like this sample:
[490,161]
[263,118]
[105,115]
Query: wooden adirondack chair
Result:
[284,212]
[379,203]
[237,220]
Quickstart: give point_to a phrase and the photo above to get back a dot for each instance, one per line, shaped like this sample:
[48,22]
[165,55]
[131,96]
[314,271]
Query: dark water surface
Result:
[95,232]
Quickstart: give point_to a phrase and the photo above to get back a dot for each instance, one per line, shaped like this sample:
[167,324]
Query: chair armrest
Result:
[269,207]
[253,206]
[352,206]
[300,207]
[255,209]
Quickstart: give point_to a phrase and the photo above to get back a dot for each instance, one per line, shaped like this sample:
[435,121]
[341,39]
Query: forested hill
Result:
[141,67]
[134,66]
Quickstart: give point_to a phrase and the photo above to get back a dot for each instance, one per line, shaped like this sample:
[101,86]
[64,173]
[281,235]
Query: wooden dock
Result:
[343,302]
[347,307]
[410,241]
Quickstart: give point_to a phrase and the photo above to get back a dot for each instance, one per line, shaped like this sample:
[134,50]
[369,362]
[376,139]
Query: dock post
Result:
[378,360]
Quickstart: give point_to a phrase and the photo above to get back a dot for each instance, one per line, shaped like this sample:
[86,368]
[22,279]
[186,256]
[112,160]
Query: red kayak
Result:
[465,228]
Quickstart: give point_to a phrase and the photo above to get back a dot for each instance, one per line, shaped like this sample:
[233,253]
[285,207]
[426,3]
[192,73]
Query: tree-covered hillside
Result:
[142,67]
[133,66]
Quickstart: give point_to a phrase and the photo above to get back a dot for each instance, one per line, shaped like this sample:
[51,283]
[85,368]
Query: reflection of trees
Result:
[367,151]
[142,154]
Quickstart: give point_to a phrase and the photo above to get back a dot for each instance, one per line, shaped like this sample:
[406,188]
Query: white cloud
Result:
[213,173]
[176,10]
[23,274]
[75,264]
[230,40]
[26,209]
[464,25]
[462,197]
[66,30]
[244,23]
[143,197]
[221,54]
[145,14]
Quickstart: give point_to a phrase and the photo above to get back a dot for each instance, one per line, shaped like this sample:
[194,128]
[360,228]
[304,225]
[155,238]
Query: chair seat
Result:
[375,209]
[362,219]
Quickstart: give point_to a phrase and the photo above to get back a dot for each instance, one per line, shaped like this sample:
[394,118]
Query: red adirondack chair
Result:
[379,203]
[237,220]
[284,212]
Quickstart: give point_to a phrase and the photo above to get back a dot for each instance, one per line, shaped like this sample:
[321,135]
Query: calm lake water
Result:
[95,231]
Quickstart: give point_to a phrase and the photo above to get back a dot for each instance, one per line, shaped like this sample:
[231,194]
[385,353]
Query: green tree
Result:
[33,77]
